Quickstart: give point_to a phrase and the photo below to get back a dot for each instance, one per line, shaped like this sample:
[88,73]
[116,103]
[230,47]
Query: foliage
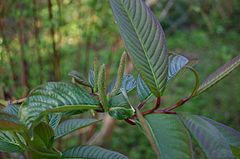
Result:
[49,106]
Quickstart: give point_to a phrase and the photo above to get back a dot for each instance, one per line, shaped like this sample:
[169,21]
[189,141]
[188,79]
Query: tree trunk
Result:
[56,56]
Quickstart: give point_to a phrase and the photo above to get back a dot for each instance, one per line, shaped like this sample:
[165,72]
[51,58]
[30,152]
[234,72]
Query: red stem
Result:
[179,103]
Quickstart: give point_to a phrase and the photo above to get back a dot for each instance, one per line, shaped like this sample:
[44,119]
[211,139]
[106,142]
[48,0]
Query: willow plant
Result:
[46,114]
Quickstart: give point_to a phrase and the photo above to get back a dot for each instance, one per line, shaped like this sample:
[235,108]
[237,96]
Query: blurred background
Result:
[43,40]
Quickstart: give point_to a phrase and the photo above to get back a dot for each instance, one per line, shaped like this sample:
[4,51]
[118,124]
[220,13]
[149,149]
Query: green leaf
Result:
[170,136]
[72,125]
[175,64]
[91,77]
[142,89]
[236,152]
[231,135]
[43,136]
[12,109]
[79,78]
[91,152]
[212,142]
[10,122]
[8,143]
[144,40]
[54,119]
[121,113]
[219,74]
[55,97]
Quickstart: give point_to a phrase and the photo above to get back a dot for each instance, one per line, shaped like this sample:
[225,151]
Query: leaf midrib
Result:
[144,49]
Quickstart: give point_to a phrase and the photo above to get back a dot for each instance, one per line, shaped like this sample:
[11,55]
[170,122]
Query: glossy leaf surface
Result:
[55,97]
[144,40]
[91,152]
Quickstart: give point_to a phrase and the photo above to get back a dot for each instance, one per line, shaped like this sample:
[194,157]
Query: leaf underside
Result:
[53,97]
[212,142]
[219,74]
[144,40]
[91,152]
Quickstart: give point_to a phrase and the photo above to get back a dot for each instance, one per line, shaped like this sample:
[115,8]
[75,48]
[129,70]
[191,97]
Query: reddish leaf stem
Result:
[179,103]
[130,121]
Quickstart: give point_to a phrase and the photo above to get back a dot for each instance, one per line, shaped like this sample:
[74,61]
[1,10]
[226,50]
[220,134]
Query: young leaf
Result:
[121,113]
[120,74]
[55,97]
[219,74]
[142,89]
[72,125]
[212,142]
[79,78]
[8,143]
[231,135]
[95,72]
[43,136]
[102,88]
[10,122]
[91,152]
[144,40]
[91,77]
[175,64]
[169,135]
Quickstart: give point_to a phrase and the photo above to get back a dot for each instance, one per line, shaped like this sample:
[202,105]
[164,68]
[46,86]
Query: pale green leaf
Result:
[144,40]
[121,113]
[212,142]
[72,125]
[219,74]
[91,152]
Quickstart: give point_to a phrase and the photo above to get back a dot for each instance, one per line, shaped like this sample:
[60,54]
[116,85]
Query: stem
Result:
[158,104]
[130,121]
[141,105]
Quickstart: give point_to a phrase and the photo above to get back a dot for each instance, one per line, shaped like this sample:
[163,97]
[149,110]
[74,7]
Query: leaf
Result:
[219,74]
[118,101]
[54,120]
[102,87]
[236,152]
[72,125]
[55,97]
[121,113]
[8,143]
[91,77]
[175,64]
[10,122]
[231,135]
[212,142]
[91,152]
[79,78]
[12,109]
[142,89]
[43,136]
[171,137]
[144,40]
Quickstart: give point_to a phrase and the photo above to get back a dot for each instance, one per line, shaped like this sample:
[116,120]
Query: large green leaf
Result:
[170,136]
[8,143]
[208,137]
[142,89]
[12,109]
[91,152]
[176,63]
[231,135]
[72,125]
[10,122]
[55,97]
[144,40]
[219,74]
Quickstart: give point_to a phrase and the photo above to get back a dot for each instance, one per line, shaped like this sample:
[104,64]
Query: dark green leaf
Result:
[55,97]
[219,74]
[8,143]
[170,135]
[175,64]
[91,77]
[79,78]
[12,109]
[144,40]
[142,89]
[231,135]
[54,119]
[91,152]
[208,137]
[72,125]
[121,113]
[236,152]
[43,136]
